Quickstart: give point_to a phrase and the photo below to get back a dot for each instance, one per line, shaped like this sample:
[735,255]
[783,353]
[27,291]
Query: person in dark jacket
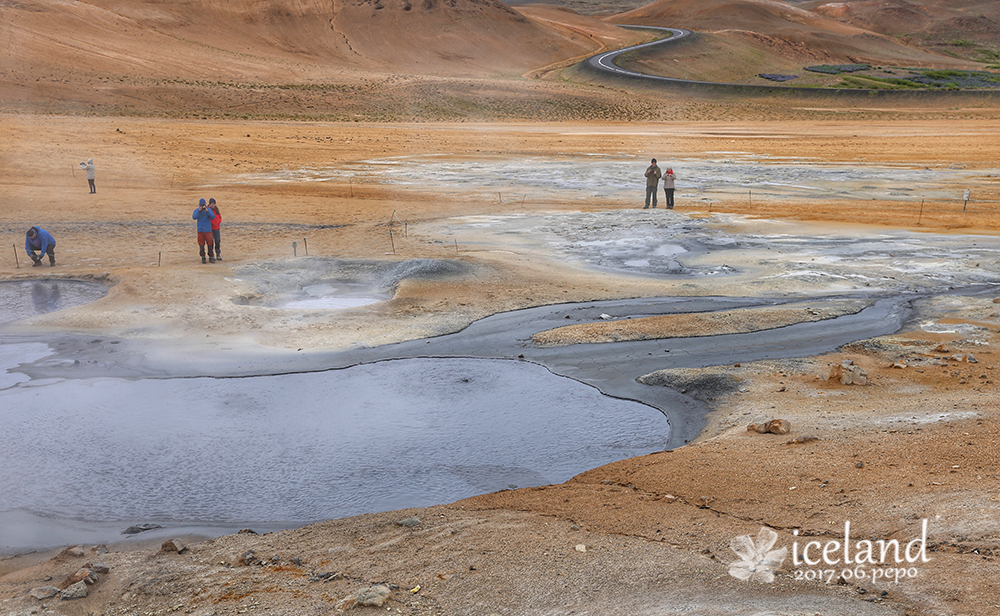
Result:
[216,224]
[91,173]
[204,216]
[38,239]
[653,175]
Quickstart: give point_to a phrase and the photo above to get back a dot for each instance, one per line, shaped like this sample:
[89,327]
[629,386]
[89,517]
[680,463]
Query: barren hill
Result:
[737,41]
[951,24]
[207,38]
[782,28]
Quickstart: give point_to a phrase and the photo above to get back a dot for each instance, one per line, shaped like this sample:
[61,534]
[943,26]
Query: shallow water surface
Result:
[20,299]
[304,447]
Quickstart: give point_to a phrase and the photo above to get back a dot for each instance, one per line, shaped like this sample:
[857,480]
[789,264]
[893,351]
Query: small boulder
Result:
[73,552]
[373,596]
[81,575]
[409,522]
[98,567]
[173,545]
[774,426]
[779,426]
[44,592]
[76,591]
[849,374]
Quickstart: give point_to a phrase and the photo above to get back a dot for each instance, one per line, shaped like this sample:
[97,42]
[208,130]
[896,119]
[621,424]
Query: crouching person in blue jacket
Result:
[40,240]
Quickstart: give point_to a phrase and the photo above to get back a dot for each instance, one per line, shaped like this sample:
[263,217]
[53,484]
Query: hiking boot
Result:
[52,260]
[37,263]
[218,257]
[211,259]
[204,260]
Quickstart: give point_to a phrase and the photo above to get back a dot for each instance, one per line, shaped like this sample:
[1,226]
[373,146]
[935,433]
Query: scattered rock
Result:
[73,551]
[81,575]
[705,501]
[98,567]
[941,348]
[774,426]
[779,426]
[409,522]
[173,545]
[969,357]
[247,559]
[246,531]
[801,439]
[373,596]
[669,498]
[325,576]
[849,374]
[899,364]
[44,592]
[100,549]
[140,528]
[76,591]
[581,547]
[860,465]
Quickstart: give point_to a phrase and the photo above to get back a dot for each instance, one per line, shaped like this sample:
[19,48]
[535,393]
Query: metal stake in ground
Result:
[295,251]
[966,199]
[305,246]
[16,262]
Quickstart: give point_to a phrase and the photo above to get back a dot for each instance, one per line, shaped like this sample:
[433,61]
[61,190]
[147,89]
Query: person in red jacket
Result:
[216,222]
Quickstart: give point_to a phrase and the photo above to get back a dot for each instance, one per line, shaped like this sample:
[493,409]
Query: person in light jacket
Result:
[668,187]
[91,174]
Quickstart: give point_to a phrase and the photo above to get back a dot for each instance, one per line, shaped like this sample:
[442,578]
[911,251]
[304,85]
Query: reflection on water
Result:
[304,447]
[20,299]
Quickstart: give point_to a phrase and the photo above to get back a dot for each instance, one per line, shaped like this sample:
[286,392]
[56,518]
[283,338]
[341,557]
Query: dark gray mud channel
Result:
[292,438]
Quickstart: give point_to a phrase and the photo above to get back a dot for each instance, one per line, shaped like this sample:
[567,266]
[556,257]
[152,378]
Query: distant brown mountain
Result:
[783,28]
[275,38]
[970,28]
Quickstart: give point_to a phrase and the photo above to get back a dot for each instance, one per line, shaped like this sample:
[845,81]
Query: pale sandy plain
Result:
[910,445]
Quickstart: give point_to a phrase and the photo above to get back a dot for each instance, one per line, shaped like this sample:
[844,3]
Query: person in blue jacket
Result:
[204,216]
[41,240]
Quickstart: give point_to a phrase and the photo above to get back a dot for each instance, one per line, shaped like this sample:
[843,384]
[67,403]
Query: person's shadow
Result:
[46,297]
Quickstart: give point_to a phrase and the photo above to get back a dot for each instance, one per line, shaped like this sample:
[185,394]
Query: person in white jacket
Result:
[89,168]
[668,187]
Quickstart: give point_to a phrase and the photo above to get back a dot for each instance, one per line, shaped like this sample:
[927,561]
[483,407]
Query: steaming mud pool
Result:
[296,448]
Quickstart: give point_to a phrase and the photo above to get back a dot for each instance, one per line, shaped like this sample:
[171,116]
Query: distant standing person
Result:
[216,223]
[41,240]
[668,187]
[91,174]
[653,175]
[204,216]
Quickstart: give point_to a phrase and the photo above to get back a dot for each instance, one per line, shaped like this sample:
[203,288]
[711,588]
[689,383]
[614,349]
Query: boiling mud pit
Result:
[21,299]
[319,283]
[299,447]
